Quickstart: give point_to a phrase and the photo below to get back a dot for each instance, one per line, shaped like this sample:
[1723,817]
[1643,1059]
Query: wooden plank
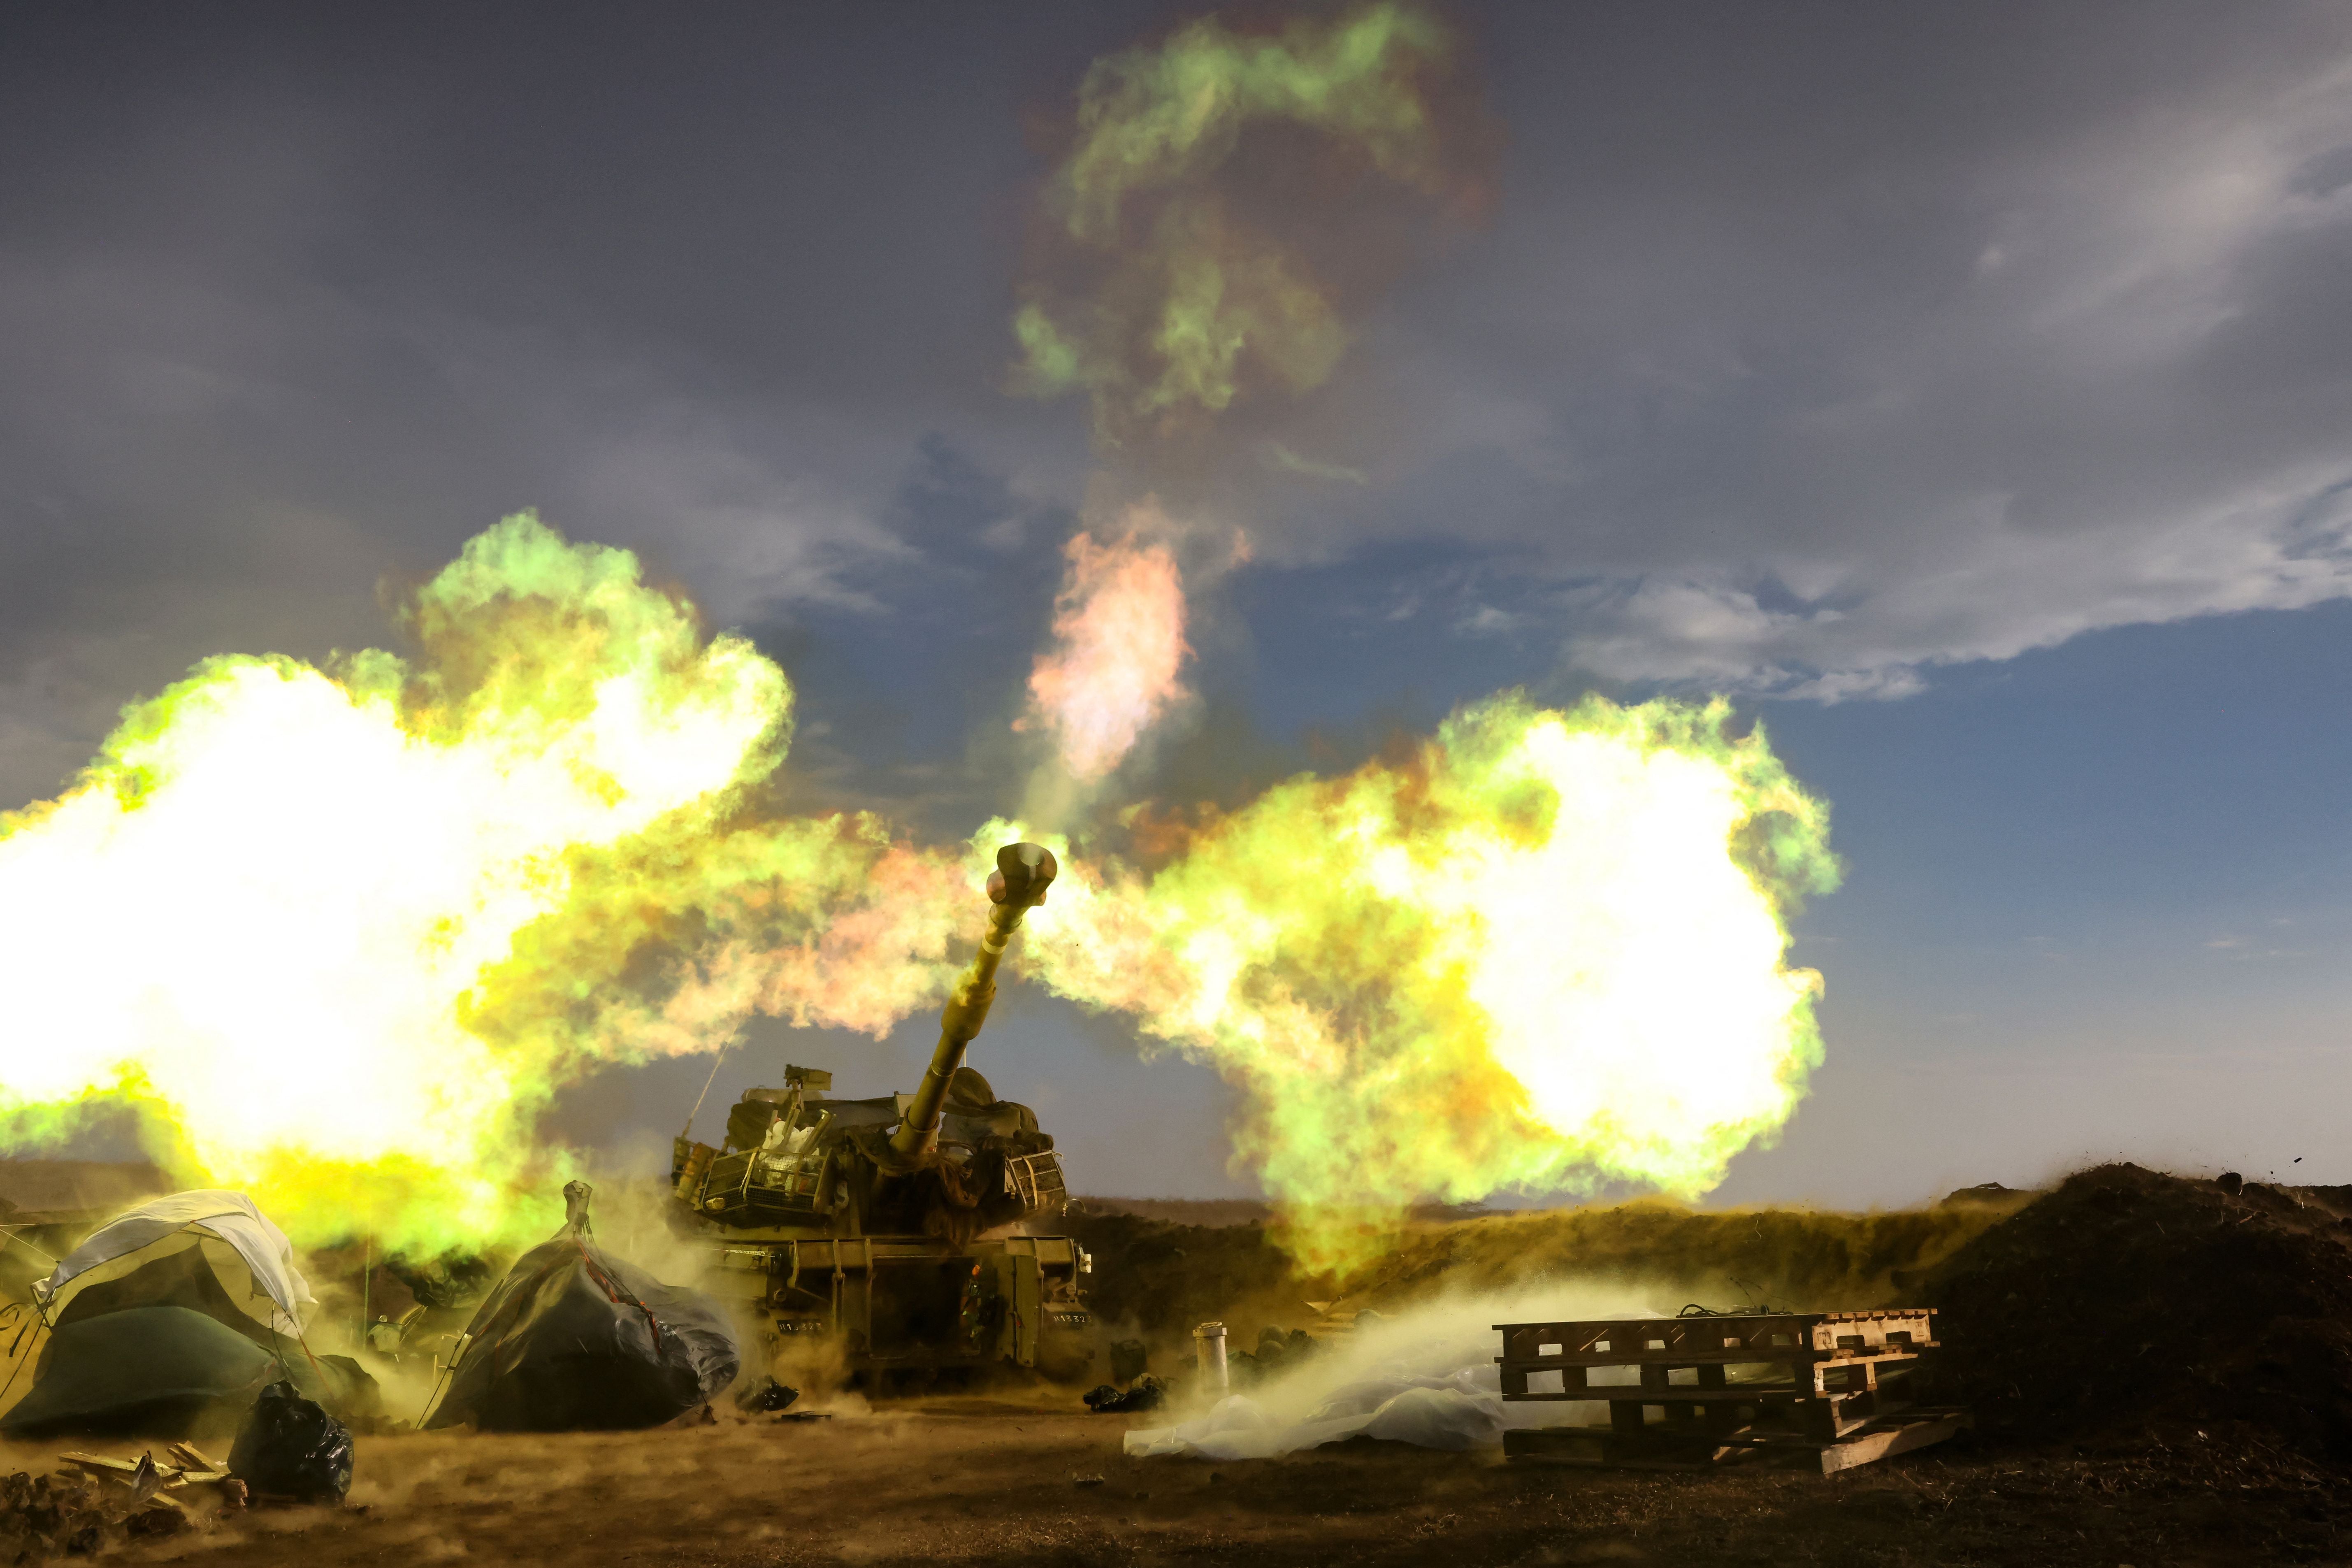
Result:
[1673,1393]
[1623,1448]
[1868,1330]
[194,1458]
[1782,1437]
[1762,1356]
[1556,1445]
[174,1476]
[1874,1446]
[1638,1331]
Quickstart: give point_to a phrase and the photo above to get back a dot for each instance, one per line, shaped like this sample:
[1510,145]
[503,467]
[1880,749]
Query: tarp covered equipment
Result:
[170,1371]
[158,1371]
[576,1339]
[251,1256]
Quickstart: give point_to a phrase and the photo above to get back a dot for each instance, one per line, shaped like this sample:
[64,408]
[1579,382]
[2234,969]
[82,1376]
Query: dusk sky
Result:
[1966,391]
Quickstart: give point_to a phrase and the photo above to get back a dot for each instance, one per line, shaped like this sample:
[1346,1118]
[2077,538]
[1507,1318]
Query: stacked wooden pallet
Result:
[1835,1385]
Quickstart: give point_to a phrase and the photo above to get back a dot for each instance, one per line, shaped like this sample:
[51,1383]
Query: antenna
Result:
[705,1088]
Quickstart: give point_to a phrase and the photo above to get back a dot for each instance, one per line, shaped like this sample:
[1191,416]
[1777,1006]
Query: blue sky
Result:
[1967,392]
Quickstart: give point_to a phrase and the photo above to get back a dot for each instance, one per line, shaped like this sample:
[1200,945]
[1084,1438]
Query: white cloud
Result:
[1992,591]
[1936,392]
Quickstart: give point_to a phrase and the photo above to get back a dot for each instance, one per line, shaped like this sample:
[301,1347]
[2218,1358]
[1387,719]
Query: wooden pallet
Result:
[1835,1386]
[1603,1447]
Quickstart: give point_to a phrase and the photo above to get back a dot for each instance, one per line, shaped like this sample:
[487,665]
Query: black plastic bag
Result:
[290,1447]
[766,1396]
[574,1339]
[1148,1394]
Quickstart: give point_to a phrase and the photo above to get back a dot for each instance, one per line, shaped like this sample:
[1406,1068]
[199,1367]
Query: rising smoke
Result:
[1478,969]
[342,932]
[1151,292]
[1118,650]
[1174,272]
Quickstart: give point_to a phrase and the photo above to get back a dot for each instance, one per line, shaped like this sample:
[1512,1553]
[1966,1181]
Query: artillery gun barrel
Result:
[1024,872]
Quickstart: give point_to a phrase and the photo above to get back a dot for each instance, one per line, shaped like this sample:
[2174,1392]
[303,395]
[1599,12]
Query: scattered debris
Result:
[145,1489]
[43,1517]
[145,1481]
[292,1448]
[1148,1393]
[1086,1480]
[806,1416]
[71,1514]
[145,1477]
[1277,1351]
[194,1458]
[157,1515]
[766,1395]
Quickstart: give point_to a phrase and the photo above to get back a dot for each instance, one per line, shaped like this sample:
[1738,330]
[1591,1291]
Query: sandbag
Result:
[144,1371]
[290,1447]
[576,1339]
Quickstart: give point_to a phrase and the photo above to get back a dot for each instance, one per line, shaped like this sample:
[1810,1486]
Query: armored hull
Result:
[808,1230]
[897,1233]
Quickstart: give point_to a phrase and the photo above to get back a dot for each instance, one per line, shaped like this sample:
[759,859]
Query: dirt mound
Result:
[1157,1279]
[42,1185]
[1181,1211]
[2129,1305]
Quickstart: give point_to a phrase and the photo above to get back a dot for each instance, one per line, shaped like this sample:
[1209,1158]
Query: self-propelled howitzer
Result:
[876,1229]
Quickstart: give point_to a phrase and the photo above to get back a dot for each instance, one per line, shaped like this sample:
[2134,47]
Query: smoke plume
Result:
[1184,255]
[1155,294]
[1547,952]
[1119,648]
[341,931]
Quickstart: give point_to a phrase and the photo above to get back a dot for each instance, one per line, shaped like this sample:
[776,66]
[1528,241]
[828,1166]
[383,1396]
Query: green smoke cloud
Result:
[1187,303]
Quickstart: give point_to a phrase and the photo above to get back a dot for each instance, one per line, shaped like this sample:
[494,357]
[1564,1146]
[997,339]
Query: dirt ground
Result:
[973,1482]
[2197,1408]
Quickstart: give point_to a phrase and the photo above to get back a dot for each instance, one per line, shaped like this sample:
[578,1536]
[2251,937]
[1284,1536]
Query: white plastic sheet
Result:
[1428,1414]
[1428,1379]
[252,1257]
